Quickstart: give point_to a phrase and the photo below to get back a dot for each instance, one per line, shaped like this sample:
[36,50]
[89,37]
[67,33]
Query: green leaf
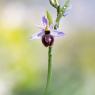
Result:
[49,17]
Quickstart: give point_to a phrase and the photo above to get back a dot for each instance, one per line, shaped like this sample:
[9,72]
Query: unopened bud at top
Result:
[55,3]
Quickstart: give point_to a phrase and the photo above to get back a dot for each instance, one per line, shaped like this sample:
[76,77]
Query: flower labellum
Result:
[47,33]
[47,39]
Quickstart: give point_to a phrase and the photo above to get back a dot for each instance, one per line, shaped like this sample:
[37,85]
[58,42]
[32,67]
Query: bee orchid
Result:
[47,33]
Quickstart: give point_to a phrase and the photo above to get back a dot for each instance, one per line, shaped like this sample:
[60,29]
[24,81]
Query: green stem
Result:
[49,69]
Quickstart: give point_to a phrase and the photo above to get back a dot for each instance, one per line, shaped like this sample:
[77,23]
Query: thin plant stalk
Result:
[49,69]
[60,14]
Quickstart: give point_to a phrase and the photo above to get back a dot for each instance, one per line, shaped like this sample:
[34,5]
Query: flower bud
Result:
[54,3]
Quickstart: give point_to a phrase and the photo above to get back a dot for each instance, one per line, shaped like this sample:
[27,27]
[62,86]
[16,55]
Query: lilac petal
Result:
[57,33]
[37,35]
[44,20]
[66,13]
[51,27]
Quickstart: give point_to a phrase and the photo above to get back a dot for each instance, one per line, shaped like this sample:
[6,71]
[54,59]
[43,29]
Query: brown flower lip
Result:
[47,39]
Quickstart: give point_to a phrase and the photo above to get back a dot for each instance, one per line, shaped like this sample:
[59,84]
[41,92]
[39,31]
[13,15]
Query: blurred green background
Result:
[23,63]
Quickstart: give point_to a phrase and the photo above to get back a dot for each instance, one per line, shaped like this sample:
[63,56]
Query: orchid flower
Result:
[47,33]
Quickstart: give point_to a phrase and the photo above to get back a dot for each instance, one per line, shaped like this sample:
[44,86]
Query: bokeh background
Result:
[23,63]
